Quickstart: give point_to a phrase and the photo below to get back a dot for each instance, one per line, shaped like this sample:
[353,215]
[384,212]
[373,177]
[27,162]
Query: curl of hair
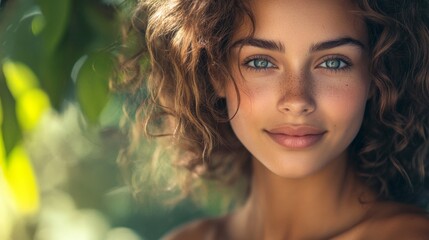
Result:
[392,148]
[188,44]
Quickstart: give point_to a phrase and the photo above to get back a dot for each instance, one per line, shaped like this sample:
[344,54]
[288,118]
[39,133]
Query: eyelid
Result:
[253,57]
[336,57]
[247,60]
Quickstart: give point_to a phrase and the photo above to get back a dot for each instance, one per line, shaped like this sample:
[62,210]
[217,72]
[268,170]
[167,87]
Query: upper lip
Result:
[298,131]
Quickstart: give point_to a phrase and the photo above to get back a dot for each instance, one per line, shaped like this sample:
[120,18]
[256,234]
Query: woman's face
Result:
[303,83]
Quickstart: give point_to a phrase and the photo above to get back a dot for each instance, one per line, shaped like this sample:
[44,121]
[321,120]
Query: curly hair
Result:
[188,44]
[393,146]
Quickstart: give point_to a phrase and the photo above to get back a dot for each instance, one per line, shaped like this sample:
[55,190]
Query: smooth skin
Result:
[303,85]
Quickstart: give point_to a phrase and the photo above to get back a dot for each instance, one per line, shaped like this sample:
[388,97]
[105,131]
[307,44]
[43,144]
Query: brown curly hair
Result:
[188,44]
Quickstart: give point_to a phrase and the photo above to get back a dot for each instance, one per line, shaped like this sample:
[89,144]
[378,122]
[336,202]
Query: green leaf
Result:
[11,131]
[30,108]
[2,154]
[38,24]
[103,23]
[56,16]
[22,181]
[55,76]
[2,148]
[92,85]
[17,40]
[31,101]
[19,78]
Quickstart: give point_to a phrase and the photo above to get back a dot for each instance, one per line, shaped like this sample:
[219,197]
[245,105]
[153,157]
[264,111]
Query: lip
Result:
[302,136]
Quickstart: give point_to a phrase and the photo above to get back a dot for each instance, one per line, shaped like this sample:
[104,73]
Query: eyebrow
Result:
[336,43]
[260,43]
[278,46]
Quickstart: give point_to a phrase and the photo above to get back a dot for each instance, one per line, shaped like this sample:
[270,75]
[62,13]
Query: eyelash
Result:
[248,60]
[342,60]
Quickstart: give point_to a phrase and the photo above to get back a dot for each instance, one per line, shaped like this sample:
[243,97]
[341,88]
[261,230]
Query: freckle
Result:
[347,85]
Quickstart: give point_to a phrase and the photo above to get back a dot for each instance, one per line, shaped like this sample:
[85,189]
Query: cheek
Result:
[246,99]
[232,100]
[346,102]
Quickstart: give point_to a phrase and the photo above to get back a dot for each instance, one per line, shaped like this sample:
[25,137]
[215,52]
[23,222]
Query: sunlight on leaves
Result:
[2,154]
[37,24]
[31,102]
[19,77]
[22,181]
[2,148]
[30,107]
[7,216]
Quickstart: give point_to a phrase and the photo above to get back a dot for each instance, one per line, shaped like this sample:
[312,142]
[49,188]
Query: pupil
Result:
[333,63]
[261,63]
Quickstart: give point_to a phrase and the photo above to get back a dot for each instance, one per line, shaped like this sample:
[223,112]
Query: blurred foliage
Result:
[59,134]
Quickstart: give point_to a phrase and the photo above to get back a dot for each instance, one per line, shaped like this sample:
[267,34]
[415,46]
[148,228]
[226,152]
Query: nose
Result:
[297,96]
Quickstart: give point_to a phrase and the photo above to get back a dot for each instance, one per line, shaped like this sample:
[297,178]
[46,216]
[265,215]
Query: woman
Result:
[320,105]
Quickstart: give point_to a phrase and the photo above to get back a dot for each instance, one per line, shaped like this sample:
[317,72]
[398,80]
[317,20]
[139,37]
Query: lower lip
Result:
[289,141]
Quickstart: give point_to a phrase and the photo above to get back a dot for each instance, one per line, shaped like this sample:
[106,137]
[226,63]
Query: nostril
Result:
[298,109]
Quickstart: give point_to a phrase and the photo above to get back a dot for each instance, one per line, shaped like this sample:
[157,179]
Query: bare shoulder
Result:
[209,228]
[398,221]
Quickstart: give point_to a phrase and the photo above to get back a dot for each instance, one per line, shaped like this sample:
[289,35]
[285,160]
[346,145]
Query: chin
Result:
[298,167]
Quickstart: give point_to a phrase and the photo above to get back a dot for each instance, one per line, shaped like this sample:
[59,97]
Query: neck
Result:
[308,207]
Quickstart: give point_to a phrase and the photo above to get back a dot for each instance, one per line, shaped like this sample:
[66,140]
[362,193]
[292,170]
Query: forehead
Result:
[304,19]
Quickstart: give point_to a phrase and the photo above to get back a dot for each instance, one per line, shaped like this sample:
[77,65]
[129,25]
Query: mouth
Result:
[296,136]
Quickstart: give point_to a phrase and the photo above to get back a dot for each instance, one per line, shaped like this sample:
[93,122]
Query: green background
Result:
[60,134]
